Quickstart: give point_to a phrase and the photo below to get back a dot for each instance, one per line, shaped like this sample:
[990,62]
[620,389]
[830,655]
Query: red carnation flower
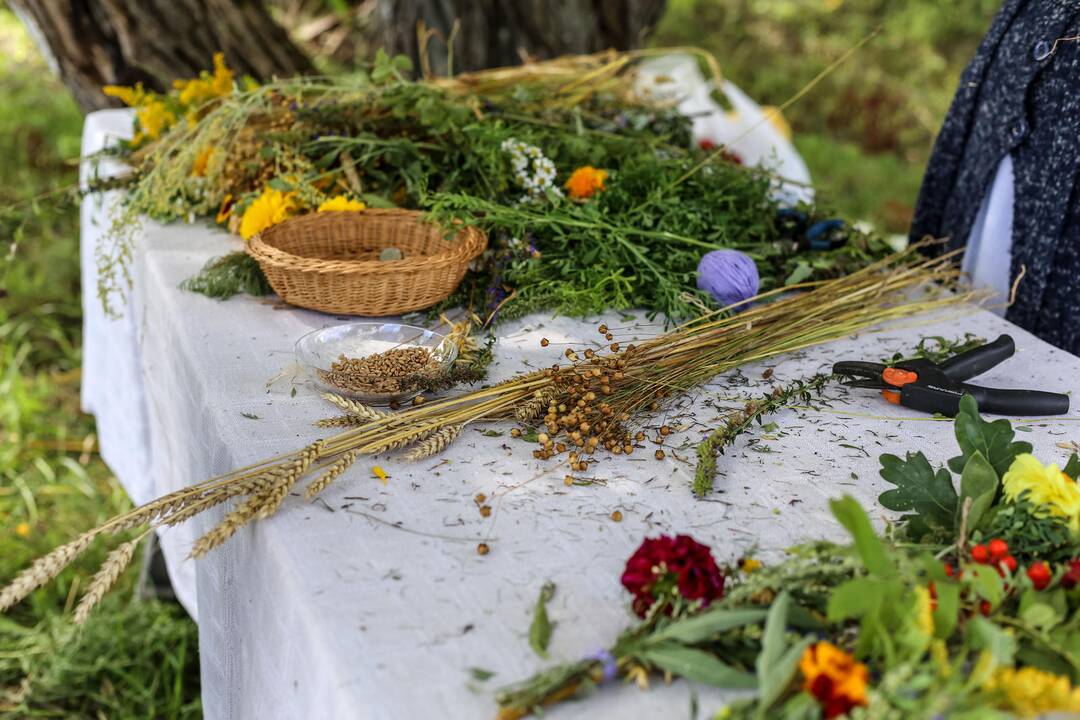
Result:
[666,563]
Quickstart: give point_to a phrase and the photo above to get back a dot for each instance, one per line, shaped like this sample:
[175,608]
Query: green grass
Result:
[132,659]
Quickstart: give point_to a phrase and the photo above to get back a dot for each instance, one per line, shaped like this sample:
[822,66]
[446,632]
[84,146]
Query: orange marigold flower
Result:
[586,182]
[834,677]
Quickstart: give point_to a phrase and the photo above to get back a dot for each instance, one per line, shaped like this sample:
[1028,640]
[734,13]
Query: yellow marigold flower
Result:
[1029,691]
[1051,491]
[130,96]
[585,182]
[201,162]
[834,677]
[340,203]
[154,118]
[267,210]
[23,529]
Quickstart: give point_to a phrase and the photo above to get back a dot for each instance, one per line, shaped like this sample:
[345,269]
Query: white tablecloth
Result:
[373,603]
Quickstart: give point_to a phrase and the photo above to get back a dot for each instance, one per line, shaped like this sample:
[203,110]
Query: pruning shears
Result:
[937,387]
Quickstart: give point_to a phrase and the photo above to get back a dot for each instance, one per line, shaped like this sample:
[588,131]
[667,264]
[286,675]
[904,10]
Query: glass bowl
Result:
[317,350]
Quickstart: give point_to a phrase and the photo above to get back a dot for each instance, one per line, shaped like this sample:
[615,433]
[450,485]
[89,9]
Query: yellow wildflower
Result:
[267,210]
[130,96]
[223,76]
[1029,691]
[586,182]
[154,118]
[834,677]
[340,203]
[1051,491]
[23,529]
[924,611]
[206,87]
[749,565]
[380,473]
[201,162]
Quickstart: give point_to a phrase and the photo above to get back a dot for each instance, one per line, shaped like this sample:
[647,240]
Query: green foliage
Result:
[938,349]
[1072,468]
[1031,535]
[540,629]
[979,483]
[694,664]
[987,451]
[229,275]
[993,439]
[870,548]
[703,627]
[777,662]
[930,495]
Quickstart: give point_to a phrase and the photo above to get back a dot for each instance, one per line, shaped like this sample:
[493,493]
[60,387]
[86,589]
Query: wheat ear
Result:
[531,409]
[232,522]
[43,570]
[105,578]
[353,407]
[434,444]
[402,442]
[330,474]
[196,505]
[277,492]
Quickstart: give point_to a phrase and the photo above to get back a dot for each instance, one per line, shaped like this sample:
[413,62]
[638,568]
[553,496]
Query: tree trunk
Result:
[91,43]
[495,33]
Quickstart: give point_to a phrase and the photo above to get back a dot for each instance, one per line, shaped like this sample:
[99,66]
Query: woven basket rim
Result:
[467,244]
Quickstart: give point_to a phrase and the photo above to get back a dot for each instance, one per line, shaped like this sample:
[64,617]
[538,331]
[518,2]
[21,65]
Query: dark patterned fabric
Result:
[1019,95]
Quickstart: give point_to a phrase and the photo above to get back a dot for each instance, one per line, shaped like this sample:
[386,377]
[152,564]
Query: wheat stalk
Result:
[341,421]
[103,580]
[434,444]
[330,474]
[43,570]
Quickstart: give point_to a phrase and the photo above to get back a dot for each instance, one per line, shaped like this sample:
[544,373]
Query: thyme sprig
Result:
[743,420]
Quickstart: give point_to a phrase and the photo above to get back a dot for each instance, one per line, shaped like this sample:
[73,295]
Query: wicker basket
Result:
[329,261]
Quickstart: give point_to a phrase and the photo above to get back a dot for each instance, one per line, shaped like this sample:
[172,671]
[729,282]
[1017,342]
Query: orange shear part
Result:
[897,377]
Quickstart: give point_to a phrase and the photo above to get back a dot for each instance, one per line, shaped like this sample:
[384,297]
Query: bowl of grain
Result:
[378,363]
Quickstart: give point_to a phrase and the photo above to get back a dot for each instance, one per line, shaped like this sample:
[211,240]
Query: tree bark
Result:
[91,43]
[495,33]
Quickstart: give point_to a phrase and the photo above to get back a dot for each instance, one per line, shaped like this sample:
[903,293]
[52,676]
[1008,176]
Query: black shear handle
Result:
[978,360]
[1018,402]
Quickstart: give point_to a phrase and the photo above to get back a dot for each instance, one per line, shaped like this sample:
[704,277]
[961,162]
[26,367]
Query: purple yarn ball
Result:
[729,276]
